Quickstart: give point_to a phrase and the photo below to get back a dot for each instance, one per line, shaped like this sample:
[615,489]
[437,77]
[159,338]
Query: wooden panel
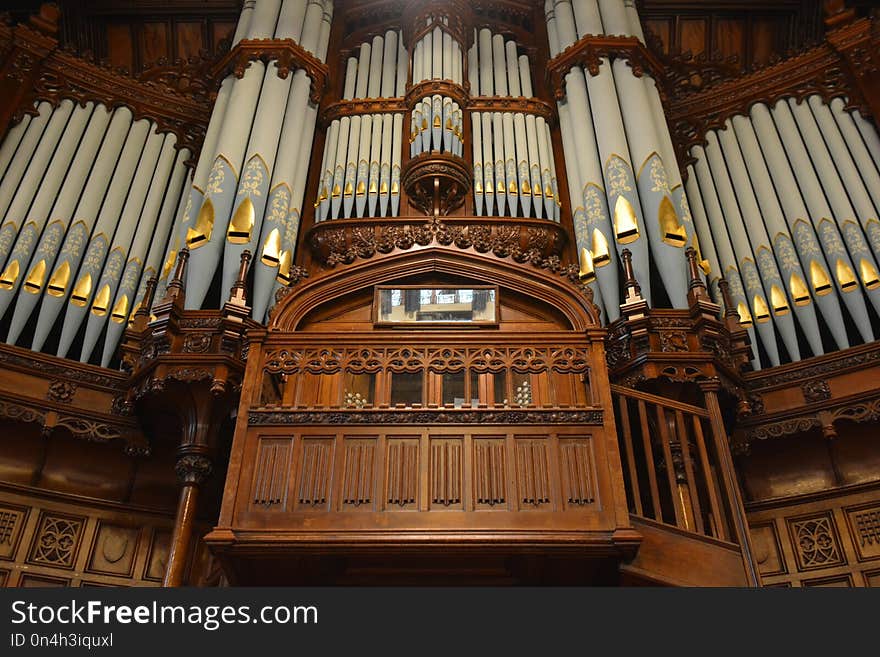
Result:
[57,540]
[490,474]
[662,28]
[113,549]
[578,475]
[864,526]
[763,40]
[358,480]
[728,37]
[533,473]
[446,473]
[830,540]
[816,541]
[155,43]
[272,473]
[12,522]
[840,581]
[41,581]
[670,556]
[120,45]
[313,482]
[767,549]
[189,39]
[402,473]
[221,31]
[693,35]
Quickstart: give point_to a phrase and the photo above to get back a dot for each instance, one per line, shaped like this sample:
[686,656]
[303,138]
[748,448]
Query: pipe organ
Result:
[802,266]
[493,280]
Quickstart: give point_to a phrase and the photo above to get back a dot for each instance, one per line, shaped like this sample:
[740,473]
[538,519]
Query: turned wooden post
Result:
[192,470]
[710,389]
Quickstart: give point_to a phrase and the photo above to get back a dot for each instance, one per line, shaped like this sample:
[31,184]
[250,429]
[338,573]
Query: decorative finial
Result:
[730,310]
[176,288]
[633,290]
[696,286]
[238,293]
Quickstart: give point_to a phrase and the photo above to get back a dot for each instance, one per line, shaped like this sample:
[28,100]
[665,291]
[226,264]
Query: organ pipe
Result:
[33,261]
[206,238]
[141,212]
[10,143]
[667,235]
[19,164]
[254,190]
[109,244]
[281,220]
[741,273]
[793,258]
[118,154]
[15,206]
[820,213]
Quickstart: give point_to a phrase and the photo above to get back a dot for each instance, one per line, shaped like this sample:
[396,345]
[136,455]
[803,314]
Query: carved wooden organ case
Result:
[438,382]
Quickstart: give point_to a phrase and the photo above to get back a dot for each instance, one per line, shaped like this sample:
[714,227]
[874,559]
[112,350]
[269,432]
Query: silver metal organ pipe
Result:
[397,126]
[195,194]
[476,127]
[722,241]
[859,151]
[614,214]
[841,208]
[62,209]
[780,297]
[206,239]
[146,257]
[389,81]
[801,221]
[869,134]
[354,137]
[523,181]
[854,180]
[24,266]
[367,181]
[375,156]
[701,225]
[120,149]
[793,258]
[281,220]
[487,88]
[253,189]
[336,191]
[10,143]
[537,191]
[666,233]
[759,289]
[137,224]
[142,147]
[14,206]
[23,154]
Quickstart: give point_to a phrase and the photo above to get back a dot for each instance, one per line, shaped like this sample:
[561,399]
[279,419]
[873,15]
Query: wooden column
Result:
[192,470]
[710,389]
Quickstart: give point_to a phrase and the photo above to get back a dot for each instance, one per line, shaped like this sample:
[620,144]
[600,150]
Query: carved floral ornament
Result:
[426,417]
[329,360]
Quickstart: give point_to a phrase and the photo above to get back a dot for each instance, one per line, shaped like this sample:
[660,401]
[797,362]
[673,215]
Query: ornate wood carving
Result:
[436,183]
[523,240]
[846,64]
[288,54]
[588,53]
[424,417]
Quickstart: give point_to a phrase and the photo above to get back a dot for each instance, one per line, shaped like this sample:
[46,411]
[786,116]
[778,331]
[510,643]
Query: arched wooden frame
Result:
[554,290]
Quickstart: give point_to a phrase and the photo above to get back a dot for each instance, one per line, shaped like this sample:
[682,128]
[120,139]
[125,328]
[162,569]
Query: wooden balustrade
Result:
[672,469]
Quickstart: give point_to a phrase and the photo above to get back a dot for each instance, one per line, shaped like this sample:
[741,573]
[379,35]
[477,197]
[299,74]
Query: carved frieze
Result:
[425,417]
